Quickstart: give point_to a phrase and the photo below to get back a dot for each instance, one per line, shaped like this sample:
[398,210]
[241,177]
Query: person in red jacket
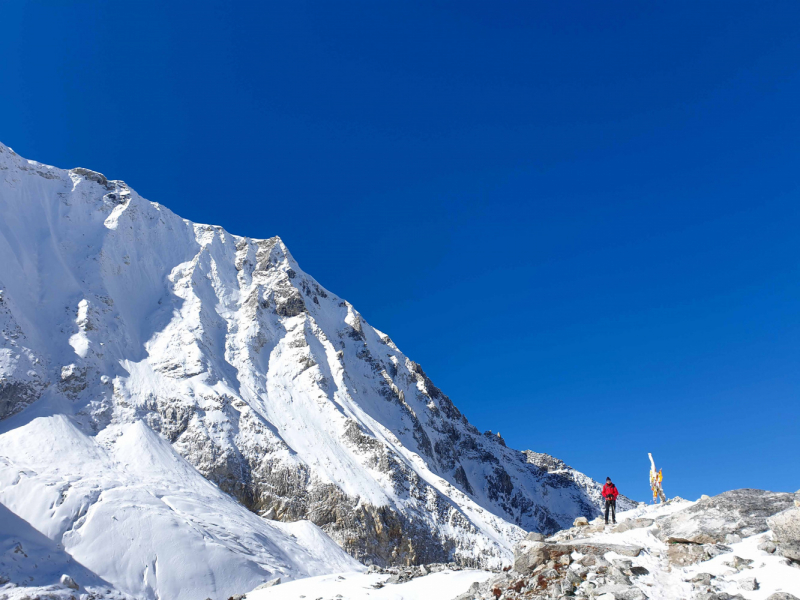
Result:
[610,493]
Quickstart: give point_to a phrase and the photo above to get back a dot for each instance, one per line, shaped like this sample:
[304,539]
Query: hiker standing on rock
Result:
[610,493]
[656,477]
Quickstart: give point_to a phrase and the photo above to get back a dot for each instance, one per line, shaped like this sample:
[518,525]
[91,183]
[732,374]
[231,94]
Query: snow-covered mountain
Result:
[139,349]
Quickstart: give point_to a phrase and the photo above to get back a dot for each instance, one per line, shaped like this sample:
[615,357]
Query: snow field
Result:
[358,586]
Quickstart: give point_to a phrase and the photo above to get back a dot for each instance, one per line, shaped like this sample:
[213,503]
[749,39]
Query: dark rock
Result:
[702,579]
[713,550]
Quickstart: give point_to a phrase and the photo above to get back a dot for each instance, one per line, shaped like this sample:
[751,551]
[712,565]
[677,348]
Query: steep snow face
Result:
[116,313]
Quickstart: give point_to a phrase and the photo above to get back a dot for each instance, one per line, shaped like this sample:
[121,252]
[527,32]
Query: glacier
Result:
[180,403]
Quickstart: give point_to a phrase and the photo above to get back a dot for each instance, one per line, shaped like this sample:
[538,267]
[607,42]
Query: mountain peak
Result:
[219,354]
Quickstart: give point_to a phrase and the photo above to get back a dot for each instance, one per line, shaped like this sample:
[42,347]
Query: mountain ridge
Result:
[114,311]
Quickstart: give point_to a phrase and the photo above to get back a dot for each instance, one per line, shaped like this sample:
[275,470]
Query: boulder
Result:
[534,537]
[580,522]
[617,575]
[742,512]
[622,563]
[471,592]
[716,549]
[748,584]
[597,548]
[767,546]
[739,563]
[702,579]
[782,596]
[529,555]
[785,528]
[69,582]
[268,584]
[683,555]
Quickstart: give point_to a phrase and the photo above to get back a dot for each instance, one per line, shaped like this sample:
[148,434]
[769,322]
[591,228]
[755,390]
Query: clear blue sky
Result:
[581,218]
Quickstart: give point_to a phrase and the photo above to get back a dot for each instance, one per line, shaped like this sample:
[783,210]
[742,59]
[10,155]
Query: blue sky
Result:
[580,218]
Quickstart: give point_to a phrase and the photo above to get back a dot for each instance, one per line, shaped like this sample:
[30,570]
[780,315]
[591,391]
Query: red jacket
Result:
[610,491]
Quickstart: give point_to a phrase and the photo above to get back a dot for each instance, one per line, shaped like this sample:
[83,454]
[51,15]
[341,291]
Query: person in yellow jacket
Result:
[656,477]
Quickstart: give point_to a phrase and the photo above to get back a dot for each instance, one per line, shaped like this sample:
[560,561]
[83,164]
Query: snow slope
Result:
[360,586]
[135,338]
[128,507]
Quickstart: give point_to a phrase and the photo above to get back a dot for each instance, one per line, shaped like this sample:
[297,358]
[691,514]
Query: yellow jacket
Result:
[656,478]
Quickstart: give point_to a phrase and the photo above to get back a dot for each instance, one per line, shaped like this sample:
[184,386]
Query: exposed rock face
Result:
[786,530]
[271,386]
[22,371]
[562,475]
[741,512]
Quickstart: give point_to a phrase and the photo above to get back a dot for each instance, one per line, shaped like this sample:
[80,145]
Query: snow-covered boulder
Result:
[69,582]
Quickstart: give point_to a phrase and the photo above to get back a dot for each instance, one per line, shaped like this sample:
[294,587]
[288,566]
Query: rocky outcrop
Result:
[785,528]
[603,565]
[558,569]
[530,555]
[738,512]
[560,474]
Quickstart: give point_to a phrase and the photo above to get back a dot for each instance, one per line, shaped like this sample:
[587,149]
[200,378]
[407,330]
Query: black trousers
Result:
[612,504]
